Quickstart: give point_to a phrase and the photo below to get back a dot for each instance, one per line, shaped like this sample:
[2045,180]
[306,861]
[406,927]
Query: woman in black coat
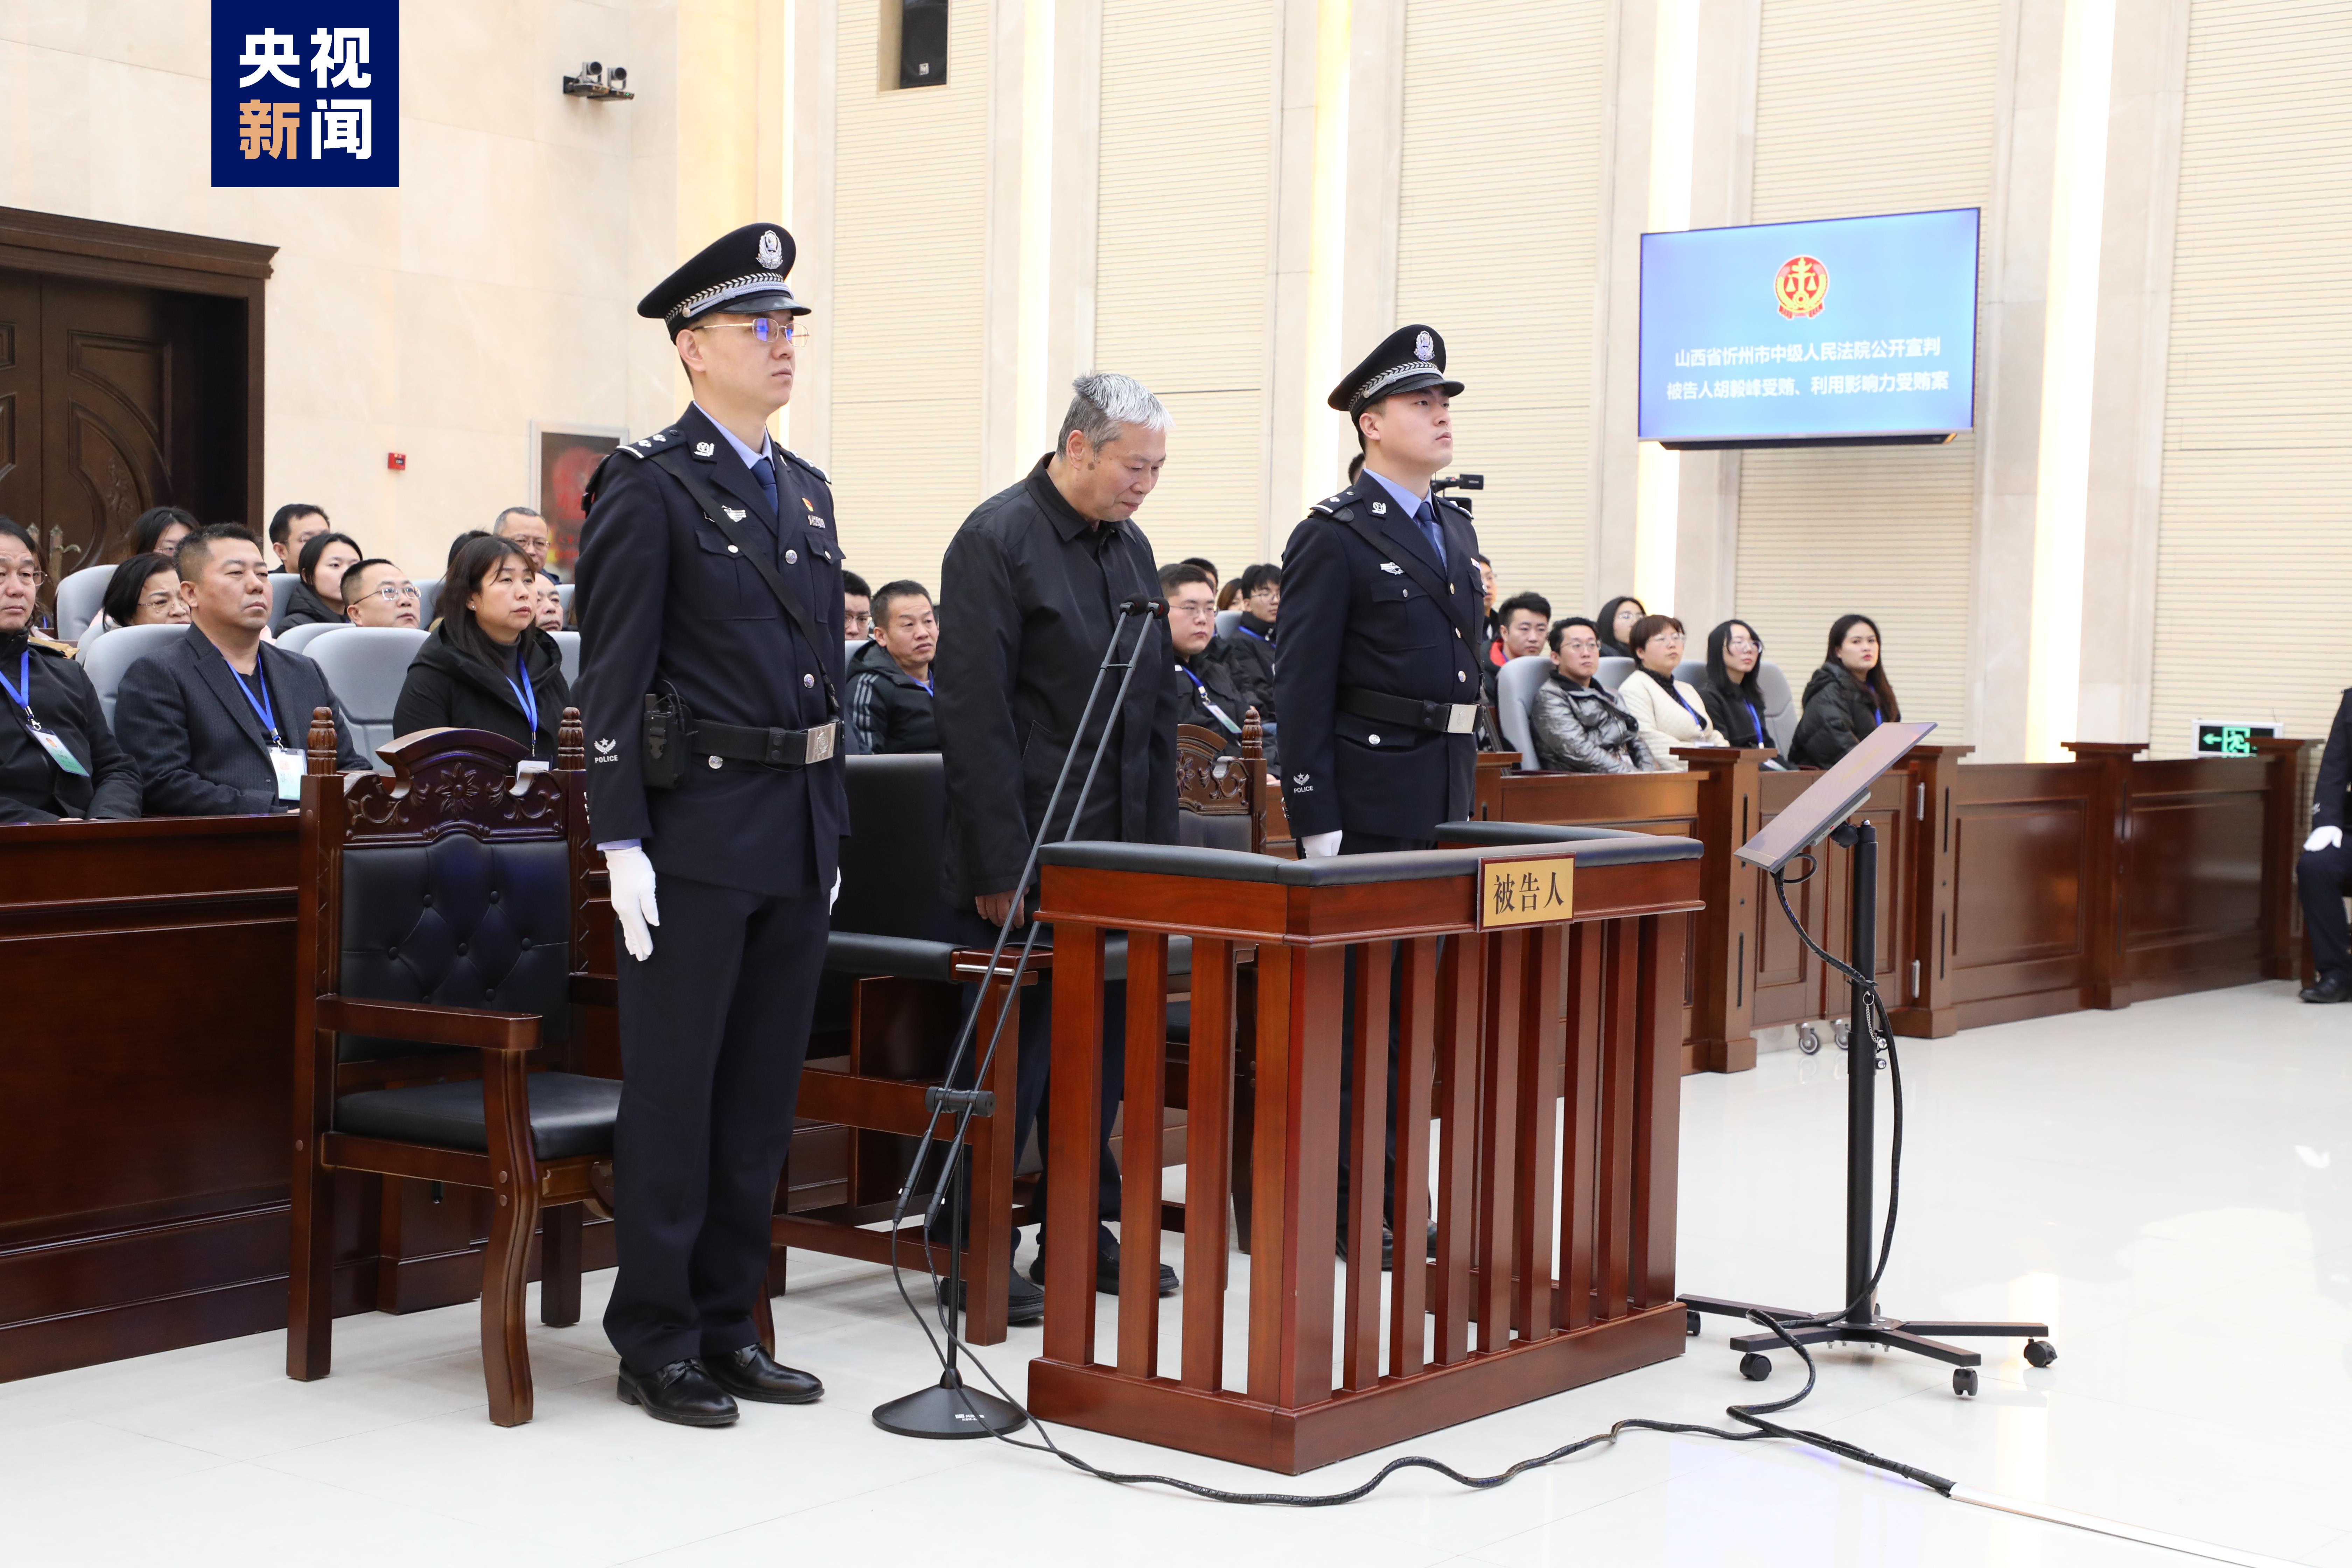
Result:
[1616,623]
[485,666]
[47,694]
[1847,698]
[1735,702]
[318,598]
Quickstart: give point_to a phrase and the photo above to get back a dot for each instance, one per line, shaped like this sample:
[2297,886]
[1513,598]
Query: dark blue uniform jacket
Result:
[665,603]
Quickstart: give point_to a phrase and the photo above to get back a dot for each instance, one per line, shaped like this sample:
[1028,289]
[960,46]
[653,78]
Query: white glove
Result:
[633,899]
[2324,838]
[836,893]
[1316,845]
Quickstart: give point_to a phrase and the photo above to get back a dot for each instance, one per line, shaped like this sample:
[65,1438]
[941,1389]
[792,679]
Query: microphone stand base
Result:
[948,1410]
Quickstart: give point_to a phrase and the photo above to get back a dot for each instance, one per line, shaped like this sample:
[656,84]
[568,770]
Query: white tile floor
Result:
[2170,1186]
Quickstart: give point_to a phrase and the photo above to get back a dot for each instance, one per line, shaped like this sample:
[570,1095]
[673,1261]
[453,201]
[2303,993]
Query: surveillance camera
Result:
[620,77]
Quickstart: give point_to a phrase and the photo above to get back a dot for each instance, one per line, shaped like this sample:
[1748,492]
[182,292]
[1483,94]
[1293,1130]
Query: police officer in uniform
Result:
[711,607]
[1382,618]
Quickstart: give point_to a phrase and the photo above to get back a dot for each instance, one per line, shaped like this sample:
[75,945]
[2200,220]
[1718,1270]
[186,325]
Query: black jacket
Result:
[890,709]
[447,686]
[197,742]
[1247,653]
[305,608]
[1729,712]
[666,604]
[1839,712]
[2331,793]
[1364,606]
[1209,681]
[33,788]
[1032,591]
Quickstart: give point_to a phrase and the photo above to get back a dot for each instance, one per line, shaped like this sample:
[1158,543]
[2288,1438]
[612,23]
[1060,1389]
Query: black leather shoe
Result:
[2330,988]
[1105,1272]
[682,1393]
[1388,1247]
[753,1374]
[1024,1303]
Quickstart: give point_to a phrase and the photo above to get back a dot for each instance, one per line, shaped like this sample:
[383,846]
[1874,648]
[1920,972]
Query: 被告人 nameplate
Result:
[1526,892]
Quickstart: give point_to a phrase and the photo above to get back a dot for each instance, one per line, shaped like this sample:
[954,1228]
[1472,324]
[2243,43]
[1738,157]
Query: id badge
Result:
[287,763]
[59,754]
[1220,713]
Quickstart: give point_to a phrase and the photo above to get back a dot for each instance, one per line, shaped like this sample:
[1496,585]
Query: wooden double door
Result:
[114,398]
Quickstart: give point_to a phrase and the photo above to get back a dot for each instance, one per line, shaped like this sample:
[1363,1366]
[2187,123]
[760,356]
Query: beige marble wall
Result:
[494,288]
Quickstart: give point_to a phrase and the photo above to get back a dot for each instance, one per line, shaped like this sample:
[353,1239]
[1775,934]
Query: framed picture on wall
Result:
[563,457]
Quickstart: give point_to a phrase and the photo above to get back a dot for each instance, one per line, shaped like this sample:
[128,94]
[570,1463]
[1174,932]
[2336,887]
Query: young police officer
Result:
[709,603]
[1382,616]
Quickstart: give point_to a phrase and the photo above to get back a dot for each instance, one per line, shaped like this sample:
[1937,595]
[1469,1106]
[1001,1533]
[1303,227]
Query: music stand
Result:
[1824,811]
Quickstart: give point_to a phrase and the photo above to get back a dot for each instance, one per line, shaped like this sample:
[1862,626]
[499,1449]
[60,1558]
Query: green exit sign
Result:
[2217,737]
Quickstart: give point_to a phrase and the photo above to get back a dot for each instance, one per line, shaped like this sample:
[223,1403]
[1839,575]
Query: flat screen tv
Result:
[1857,330]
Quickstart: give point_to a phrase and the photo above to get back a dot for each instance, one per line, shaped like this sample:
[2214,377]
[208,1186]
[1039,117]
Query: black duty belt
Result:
[773,748]
[1437,718]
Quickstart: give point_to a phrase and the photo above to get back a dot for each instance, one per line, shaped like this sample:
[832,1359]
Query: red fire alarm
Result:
[395,459]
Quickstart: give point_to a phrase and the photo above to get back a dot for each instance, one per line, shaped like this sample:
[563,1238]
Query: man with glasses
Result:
[1206,696]
[1579,725]
[528,531]
[710,602]
[378,593]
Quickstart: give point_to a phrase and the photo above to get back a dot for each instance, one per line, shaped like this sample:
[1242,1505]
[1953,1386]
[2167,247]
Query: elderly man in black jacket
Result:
[217,721]
[1033,581]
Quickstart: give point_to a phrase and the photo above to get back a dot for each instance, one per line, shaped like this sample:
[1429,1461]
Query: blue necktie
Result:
[766,472]
[1427,517]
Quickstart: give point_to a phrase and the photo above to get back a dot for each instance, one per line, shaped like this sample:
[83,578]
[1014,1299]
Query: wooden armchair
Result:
[439,925]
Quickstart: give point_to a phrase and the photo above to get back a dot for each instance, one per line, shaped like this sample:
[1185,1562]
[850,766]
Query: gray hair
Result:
[1104,401]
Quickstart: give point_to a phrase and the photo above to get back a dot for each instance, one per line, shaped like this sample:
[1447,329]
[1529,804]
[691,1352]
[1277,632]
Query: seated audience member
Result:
[1248,650]
[292,526]
[1494,631]
[159,529]
[547,602]
[890,678]
[1579,724]
[519,525]
[463,539]
[1616,622]
[145,592]
[487,665]
[1735,703]
[218,721]
[1670,711]
[1847,698]
[1207,566]
[1523,619]
[856,608]
[378,593]
[58,761]
[318,598]
[2323,874]
[1205,692]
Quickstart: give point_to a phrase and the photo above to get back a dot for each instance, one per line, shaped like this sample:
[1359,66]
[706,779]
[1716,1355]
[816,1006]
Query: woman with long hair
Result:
[318,598]
[1616,621]
[145,592]
[486,664]
[1734,699]
[1847,698]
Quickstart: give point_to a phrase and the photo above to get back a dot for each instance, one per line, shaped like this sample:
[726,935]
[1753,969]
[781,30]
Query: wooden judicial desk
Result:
[1496,1028]
[2006,890]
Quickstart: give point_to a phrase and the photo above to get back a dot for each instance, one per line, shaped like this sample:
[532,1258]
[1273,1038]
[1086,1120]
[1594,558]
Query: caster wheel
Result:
[1964,1380]
[1690,1327]
[1755,1366]
[1843,1031]
[2040,1352]
[1809,1039]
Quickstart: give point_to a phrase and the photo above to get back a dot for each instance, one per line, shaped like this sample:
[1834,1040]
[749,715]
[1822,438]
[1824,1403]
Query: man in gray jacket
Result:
[1580,726]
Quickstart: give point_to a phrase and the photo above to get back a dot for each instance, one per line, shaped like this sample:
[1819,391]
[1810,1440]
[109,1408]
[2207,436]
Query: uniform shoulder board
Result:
[1332,506]
[804,463]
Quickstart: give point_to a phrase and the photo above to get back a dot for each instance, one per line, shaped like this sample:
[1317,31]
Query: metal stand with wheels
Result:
[1860,1323]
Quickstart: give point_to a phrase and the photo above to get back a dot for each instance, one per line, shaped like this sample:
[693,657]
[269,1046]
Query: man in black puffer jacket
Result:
[890,677]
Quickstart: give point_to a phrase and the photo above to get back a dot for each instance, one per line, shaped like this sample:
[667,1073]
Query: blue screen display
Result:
[1861,326]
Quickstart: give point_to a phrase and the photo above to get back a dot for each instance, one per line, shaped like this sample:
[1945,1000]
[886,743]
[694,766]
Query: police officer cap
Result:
[741,271]
[1407,360]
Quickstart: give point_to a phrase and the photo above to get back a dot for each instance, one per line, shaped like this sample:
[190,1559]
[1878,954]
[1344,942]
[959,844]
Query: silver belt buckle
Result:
[1461,720]
[822,739]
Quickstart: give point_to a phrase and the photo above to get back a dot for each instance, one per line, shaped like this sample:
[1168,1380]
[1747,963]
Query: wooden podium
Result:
[1498,1025]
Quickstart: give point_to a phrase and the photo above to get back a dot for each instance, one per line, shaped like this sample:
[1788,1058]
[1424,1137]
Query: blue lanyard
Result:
[24,673]
[1761,739]
[1247,633]
[524,695]
[1207,702]
[262,707]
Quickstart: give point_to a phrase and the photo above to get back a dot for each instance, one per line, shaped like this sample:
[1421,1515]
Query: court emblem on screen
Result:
[1801,287]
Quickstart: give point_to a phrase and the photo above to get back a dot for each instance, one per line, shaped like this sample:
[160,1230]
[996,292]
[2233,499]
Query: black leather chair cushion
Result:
[570,1115]
[1199,830]
[890,863]
[1489,835]
[1339,870]
[863,952]
[461,923]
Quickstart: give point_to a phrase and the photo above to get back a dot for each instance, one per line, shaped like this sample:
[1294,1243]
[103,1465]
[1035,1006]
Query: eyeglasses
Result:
[391,593]
[31,576]
[767,328]
[1741,645]
[1205,610]
[1579,645]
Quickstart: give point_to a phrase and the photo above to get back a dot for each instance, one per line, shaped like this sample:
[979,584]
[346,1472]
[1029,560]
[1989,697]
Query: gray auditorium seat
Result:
[1780,709]
[1227,620]
[849,646]
[567,645]
[365,666]
[1514,693]
[1613,671]
[297,639]
[281,594]
[563,593]
[78,599]
[428,593]
[1691,672]
[117,651]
